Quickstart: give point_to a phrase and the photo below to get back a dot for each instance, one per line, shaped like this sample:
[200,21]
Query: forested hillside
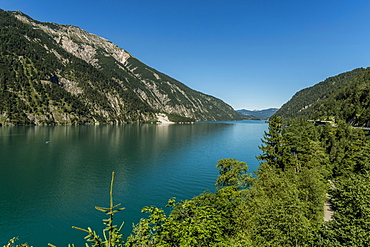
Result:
[57,74]
[342,97]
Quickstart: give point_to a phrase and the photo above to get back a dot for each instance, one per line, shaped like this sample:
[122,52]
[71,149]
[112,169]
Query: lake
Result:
[52,177]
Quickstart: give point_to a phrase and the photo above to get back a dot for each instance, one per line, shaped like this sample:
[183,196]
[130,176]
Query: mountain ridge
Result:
[258,114]
[106,83]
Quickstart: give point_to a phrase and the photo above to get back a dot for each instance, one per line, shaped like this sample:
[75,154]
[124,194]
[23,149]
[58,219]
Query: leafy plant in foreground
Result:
[112,235]
[11,243]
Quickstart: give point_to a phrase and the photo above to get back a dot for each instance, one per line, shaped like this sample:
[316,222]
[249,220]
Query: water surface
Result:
[51,177]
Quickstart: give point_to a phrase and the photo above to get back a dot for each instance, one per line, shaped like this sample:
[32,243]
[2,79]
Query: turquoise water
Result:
[51,177]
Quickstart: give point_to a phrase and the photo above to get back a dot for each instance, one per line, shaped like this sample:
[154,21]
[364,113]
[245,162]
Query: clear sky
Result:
[252,54]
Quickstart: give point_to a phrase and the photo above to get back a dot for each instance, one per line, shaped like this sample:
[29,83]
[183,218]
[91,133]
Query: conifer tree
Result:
[272,147]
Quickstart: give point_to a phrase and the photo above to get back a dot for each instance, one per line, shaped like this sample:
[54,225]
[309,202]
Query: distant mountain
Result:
[61,74]
[345,96]
[257,114]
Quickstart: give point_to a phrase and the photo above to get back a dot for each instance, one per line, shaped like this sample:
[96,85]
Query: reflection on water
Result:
[51,177]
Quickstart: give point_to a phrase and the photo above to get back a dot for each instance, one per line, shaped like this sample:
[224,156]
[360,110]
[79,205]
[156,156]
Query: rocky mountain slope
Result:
[61,74]
[345,96]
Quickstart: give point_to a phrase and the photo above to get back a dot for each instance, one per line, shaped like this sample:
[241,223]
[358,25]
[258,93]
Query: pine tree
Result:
[272,147]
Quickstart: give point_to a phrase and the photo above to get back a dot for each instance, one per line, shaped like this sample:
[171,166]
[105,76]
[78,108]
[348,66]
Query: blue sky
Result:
[252,54]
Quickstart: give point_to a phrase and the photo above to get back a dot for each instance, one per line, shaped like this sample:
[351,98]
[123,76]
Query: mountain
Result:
[61,74]
[257,114]
[345,96]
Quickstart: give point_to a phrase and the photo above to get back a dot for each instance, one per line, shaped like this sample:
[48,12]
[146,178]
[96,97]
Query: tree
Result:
[233,174]
[272,147]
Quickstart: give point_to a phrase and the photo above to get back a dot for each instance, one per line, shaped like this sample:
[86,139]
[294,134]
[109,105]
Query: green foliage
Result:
[233,174]
[188,224]
[276,215]
[347,147]
[350,198]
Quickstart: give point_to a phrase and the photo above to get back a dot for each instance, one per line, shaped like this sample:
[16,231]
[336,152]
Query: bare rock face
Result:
[163,119]
[77,41]
[116,88]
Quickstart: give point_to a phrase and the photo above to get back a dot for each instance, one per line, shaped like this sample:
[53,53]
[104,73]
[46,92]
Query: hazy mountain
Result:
[61,74]
[345,96]
[257,114]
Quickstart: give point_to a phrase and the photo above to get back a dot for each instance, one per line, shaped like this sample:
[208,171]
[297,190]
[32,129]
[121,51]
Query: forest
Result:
[302,168]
